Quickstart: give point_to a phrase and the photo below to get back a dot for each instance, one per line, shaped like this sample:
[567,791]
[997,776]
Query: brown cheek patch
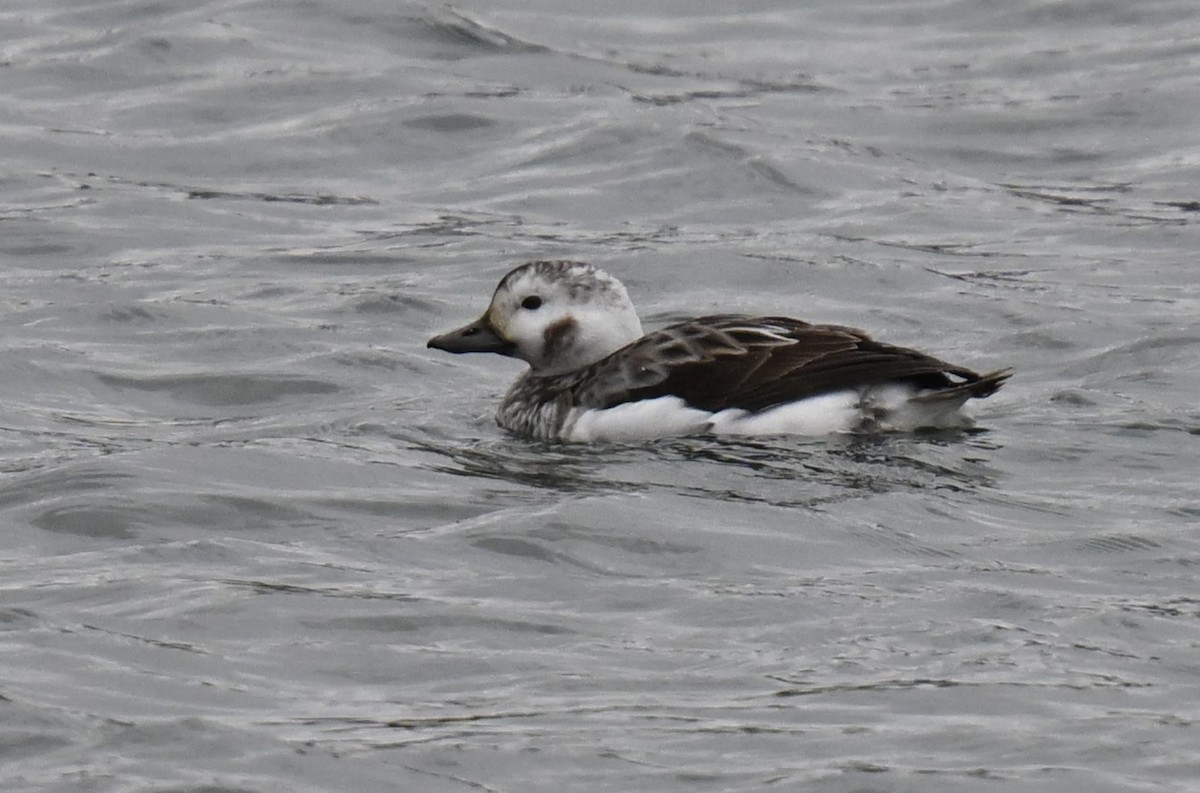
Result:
[558,336]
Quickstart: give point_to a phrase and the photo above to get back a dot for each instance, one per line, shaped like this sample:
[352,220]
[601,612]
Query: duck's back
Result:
[750,375]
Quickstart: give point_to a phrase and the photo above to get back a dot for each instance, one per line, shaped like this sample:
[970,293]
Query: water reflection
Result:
[782,471]
[569,468]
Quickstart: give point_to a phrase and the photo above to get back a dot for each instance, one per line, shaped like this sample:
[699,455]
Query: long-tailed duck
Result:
[593,375]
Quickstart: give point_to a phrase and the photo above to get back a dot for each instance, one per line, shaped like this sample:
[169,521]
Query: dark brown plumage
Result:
[755,363]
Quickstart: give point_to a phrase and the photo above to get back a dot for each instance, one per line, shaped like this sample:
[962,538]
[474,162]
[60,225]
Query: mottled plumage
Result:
[593,375]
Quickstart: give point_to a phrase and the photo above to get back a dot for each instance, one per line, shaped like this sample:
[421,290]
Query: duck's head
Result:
[556,315]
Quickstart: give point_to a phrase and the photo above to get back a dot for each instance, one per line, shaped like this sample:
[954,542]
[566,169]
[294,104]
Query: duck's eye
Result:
[532,302]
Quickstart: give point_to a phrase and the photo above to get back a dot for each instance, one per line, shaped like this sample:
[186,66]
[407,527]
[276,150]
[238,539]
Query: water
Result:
[257,538]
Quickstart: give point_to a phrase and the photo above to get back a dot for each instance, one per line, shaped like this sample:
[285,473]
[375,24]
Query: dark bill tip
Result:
[479,336]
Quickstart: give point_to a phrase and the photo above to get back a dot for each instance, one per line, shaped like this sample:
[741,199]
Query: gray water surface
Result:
[257,538]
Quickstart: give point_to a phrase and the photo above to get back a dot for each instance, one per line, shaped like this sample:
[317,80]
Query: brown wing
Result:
[753,363]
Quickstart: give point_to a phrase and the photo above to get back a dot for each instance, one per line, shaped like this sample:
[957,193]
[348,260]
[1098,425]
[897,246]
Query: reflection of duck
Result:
[594,376]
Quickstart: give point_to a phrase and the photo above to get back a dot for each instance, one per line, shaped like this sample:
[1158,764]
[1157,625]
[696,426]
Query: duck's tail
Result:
[979,387]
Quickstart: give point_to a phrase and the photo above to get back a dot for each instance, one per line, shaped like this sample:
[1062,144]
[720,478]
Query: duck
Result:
[594,375]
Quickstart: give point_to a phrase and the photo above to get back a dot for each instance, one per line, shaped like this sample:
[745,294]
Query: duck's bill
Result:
[479,336]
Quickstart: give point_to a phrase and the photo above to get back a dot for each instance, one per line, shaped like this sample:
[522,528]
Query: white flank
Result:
[819,415]
[663,417]
[885,408]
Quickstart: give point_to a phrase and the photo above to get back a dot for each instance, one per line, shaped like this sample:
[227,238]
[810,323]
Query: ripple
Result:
[223,389]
